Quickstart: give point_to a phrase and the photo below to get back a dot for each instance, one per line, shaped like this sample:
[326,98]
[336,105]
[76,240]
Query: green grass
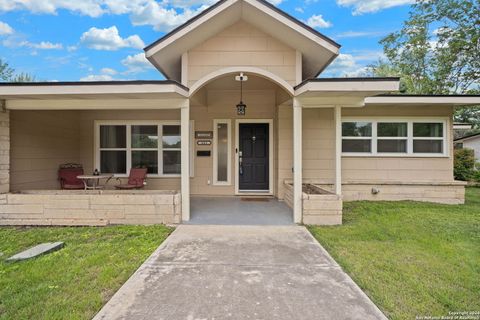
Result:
[411,258]
[75,282]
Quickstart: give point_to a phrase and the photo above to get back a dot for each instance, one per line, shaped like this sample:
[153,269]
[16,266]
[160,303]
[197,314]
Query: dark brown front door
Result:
[253,157]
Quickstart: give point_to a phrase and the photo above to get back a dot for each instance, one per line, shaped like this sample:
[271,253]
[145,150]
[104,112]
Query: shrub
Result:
[464,164]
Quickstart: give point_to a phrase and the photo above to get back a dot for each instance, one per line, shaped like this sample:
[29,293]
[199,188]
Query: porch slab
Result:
[240,272]
[239,211]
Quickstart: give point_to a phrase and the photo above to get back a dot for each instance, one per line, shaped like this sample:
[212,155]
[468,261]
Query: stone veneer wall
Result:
[4,151]
[95,208]
[437,192]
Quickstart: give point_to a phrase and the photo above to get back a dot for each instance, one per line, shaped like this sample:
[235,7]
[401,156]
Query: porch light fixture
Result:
[241,107]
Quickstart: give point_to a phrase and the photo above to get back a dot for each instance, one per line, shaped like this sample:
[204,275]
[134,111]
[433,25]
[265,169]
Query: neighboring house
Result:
[460,129]
[470,142]
[348,138]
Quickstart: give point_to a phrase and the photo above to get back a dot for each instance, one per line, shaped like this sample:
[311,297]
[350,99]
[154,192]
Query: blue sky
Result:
[64,40]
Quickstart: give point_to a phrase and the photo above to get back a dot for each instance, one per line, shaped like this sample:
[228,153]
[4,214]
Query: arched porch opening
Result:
[240,155]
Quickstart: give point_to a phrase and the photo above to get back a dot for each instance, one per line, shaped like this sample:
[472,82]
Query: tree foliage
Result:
[8,74]
[437,51]
[438,48]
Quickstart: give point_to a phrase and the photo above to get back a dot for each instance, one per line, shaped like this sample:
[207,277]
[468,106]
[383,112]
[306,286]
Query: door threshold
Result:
[254,193]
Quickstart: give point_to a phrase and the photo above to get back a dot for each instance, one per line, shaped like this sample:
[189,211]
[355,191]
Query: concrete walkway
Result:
[240,272]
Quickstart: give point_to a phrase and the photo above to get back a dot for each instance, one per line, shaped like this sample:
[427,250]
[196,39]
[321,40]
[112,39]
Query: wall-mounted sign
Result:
[204,142]
[203,153]
[203,134]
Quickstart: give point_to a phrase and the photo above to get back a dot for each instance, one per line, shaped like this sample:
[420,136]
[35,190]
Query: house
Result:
[471,142]
[209,131]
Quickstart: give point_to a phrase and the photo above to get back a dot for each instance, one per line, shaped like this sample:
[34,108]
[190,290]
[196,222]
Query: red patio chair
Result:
[67,175]
[136,179]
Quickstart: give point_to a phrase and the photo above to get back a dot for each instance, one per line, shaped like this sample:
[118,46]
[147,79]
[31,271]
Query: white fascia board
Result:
[368,87]
[430,100]
[35,90]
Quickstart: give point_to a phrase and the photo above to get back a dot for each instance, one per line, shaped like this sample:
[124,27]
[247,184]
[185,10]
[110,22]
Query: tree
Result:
[8,74]
[5,71]
[437,52]
[23,77]
[437,49]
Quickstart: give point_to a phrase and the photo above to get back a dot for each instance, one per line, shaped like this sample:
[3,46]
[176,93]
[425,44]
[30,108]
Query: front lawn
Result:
[75,282]
[412,259]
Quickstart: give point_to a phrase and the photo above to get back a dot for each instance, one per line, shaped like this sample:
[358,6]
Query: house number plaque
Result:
[204,142]
[203,134]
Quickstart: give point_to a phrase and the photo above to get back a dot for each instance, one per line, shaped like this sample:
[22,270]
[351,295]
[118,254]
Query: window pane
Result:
[222,152]
[145,159]
[144,137]
[357,129]
[113,161]
[390,129]
[113,136]
[171,162]
[427,146]
[428,129]
[392,146]
[356,145]
[171,137]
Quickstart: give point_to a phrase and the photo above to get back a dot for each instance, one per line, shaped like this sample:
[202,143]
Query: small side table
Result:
[94,179]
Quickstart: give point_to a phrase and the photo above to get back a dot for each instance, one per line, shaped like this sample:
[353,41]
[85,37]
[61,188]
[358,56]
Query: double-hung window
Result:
[394,137]
[357,137]
[152,145]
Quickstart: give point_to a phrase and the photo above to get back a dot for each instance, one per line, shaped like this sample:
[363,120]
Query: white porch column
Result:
[338,149]
[185,166]
[297,161]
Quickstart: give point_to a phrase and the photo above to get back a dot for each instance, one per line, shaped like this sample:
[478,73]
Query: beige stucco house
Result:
[341,138]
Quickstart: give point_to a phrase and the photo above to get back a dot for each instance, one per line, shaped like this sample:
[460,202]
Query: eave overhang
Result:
[111,95]
[451,100]
[93,90]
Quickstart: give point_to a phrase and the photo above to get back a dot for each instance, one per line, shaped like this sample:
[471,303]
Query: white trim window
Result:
[222,157]
[394,137]
[122,145]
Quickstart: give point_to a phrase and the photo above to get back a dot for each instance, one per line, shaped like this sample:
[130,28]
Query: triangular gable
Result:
[318,51]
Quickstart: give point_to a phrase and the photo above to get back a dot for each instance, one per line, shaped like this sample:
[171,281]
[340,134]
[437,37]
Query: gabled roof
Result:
[318,51]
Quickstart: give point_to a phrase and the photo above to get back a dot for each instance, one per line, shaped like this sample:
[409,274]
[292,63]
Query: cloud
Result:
[353,64]
[370,6]
[92,8]
[136,63]
[299,9]
[360,34]
[161,15]
[109,39]
[45,45]
[317,21]
[108,71]
[16,42]
[97,77]
[275,2]
[5,29]
[162,18]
